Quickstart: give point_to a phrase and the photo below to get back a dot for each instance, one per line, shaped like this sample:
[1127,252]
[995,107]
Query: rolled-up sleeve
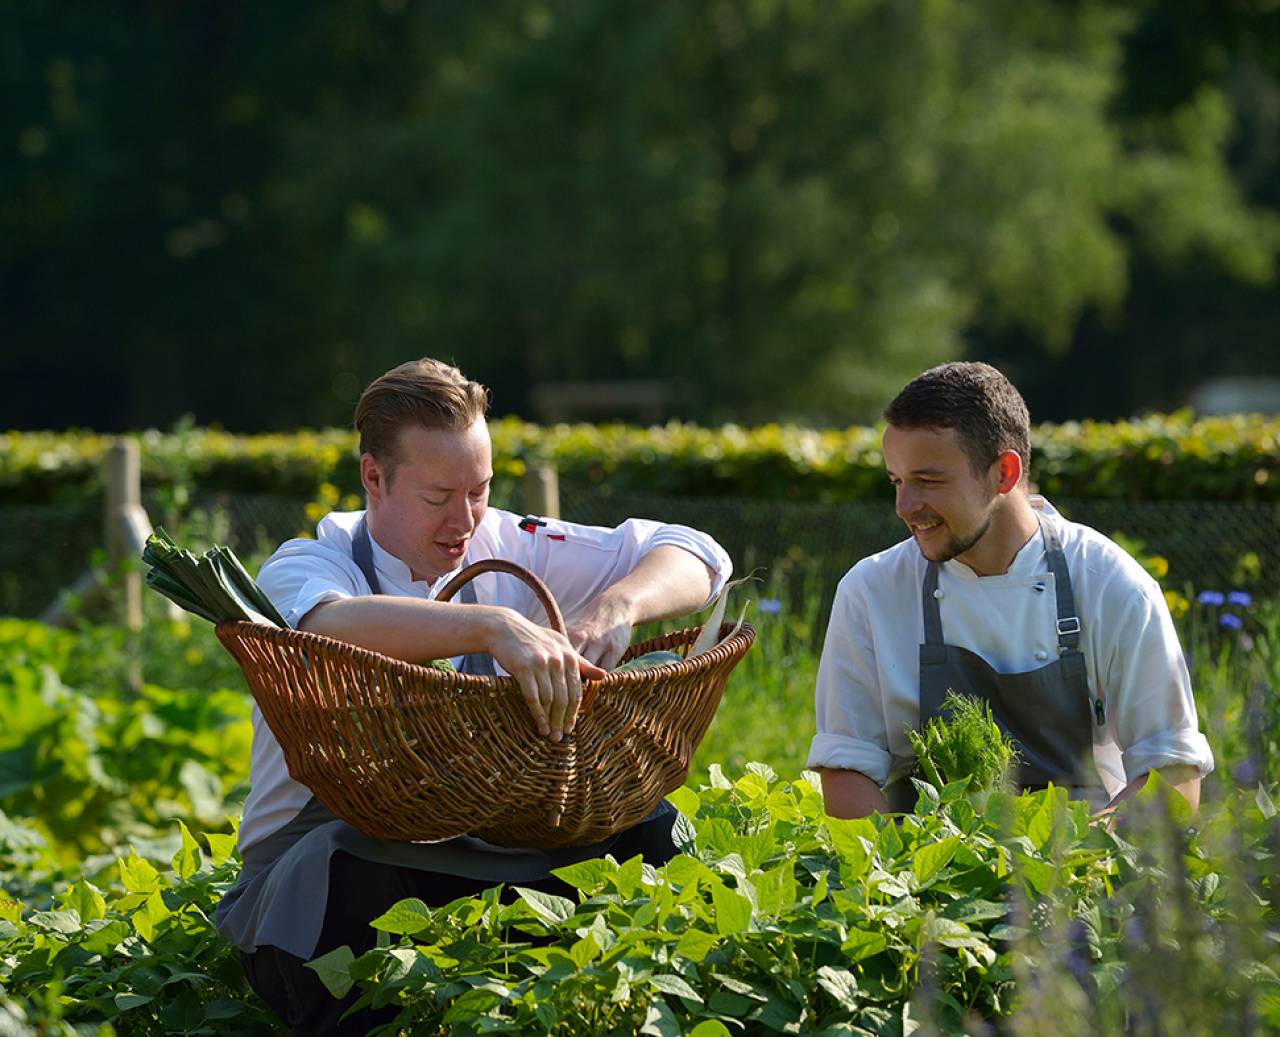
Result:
[578,561]
[1148,691]
[300,576]
[848,706]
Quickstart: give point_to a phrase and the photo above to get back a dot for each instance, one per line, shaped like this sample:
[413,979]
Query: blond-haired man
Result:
[311,882]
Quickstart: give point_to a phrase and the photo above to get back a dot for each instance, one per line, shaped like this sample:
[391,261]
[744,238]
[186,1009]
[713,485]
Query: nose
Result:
[906,501]
[461,515]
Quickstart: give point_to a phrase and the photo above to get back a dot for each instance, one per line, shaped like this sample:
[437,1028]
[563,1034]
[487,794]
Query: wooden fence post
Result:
[542,490]
[125,527]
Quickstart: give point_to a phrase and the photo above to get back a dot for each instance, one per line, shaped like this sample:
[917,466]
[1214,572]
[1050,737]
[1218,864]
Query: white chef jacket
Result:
[575,561]
[868,689]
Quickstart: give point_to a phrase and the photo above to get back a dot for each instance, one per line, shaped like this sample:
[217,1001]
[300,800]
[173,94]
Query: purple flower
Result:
[769,605]
[1246,773]
[1231,621]
[1240,598]
[1211,598]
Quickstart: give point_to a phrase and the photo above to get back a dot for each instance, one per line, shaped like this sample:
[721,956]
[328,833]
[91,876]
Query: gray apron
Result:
[1046,711]
[279,898]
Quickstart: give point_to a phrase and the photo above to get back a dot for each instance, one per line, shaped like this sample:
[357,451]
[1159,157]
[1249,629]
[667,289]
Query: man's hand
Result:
[603,632]
[548,669]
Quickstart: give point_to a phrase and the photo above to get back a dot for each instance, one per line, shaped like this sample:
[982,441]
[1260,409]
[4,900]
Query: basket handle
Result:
[498,565]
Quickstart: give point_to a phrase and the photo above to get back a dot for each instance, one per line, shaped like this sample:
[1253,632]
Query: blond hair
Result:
[427,393]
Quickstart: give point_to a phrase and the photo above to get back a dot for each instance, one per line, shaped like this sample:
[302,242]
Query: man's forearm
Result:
[1184,778]
[667,582]
[851,794]
[405,628]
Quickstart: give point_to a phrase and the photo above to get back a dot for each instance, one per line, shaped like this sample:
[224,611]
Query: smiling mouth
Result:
[927,526]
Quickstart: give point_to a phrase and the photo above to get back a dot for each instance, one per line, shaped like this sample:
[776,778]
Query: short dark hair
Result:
[988,413]
[427,393]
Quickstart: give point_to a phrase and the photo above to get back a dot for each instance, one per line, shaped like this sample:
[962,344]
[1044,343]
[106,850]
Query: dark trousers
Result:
[360,891]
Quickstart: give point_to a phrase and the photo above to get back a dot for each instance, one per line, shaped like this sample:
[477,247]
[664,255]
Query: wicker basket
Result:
[408,752]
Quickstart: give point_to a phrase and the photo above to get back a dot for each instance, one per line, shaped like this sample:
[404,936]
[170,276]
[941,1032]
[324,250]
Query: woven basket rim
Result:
[473,682]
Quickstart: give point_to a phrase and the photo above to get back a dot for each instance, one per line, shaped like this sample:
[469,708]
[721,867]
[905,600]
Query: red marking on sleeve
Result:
[555,536]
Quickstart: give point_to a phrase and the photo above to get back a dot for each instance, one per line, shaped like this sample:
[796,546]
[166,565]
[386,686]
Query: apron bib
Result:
[1045,711]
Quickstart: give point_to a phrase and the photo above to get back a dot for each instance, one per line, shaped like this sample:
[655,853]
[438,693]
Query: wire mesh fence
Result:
[43,548]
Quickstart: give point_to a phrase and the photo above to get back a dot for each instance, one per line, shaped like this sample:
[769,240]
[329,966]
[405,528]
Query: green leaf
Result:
[589,875]
[683,870]
[695,944]
[334,970]
[187,861]
[221,847]
[105,939]
[710,1028]
[56,921]
[932,858]
[85,901]
[659,1020]
[854,841]
[860,944]
[137,875]
[733,910]
[551,909]
[124,1001]
[841,984]
[672,984]
[152,912]
[404,917]
[685,800]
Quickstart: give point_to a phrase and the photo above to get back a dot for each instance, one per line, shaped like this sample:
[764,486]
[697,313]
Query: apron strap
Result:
[362,554]
[1068,621]
[480,664]
[932,614]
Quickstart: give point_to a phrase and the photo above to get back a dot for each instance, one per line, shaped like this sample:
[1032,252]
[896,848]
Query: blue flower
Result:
[769,605]
[1211,598]
[1240,598]
[1231,621]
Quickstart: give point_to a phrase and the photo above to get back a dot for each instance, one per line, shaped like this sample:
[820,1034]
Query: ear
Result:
[1009,471]
[373,478]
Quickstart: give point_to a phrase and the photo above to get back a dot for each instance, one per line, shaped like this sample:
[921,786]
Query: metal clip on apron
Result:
[1046,711]
[478,665]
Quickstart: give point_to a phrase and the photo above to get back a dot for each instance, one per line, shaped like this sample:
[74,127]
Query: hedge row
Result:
[1159,457]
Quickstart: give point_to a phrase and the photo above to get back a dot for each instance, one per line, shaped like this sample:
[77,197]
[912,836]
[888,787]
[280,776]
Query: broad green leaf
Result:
[584,951]
[105,939]
[187,861]
[683,870]
[672,984]
[86,901]
[841,984]
[551,909]
[221,847]
[973,909]
[659,1020]
[860,944]
[125,1001]
[854,842]
[695,944]
[404,917]
[716,778]
[710,1028]
[628,877]
[752,788]
[685,800]
[733,910]
[820,889]
[1039,825]
[10,909]
[931,859]
[137,874]
[927,798]
[589,875]
[334,970]
[775,889]
[55,921]
[152,912]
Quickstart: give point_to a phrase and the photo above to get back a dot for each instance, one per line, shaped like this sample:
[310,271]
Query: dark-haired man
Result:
[312,883]
[996,595]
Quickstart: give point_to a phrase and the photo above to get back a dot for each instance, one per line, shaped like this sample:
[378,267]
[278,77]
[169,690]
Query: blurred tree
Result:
[782,207]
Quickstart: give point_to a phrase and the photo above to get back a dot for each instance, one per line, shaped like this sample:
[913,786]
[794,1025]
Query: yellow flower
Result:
[193,656]
[1178,604]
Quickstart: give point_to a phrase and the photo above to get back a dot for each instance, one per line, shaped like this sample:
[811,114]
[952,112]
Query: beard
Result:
[956,546]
